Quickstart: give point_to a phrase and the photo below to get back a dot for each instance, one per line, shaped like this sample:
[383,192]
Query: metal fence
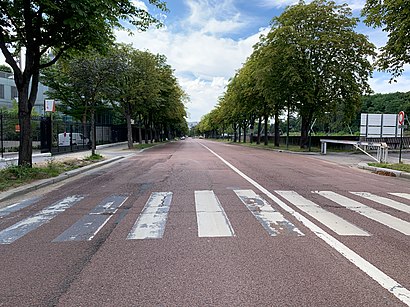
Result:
[56,136]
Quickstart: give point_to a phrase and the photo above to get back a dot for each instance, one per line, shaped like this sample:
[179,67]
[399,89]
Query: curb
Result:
[46,182]
[47,154]
[385,171]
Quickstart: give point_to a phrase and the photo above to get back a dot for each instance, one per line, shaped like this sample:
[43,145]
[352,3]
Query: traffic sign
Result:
[400,117]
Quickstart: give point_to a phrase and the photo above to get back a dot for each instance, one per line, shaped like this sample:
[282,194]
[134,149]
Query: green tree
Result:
[82,85]
[6,68]
[42,26]
[135,83]
[326,60]
[393,16]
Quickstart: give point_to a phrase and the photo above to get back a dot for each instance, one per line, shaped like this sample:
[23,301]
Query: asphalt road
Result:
[196,223]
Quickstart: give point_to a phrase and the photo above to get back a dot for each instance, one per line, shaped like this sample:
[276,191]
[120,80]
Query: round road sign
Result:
[401,118]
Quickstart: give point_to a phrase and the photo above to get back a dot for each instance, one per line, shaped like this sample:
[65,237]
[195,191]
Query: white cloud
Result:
[380,83]
[203,63]
[140,4]
[214,17]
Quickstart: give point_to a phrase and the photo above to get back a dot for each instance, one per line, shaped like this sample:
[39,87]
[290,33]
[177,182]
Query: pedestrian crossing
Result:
[213,220]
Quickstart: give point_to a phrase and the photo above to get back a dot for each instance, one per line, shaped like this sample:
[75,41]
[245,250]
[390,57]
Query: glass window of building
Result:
[14,93]
[1,91]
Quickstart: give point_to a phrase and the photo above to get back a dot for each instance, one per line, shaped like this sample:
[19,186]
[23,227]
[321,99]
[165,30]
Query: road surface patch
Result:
[384,201]
[89,225]
[18,206]
[329,219]
[151,222]
[18,230]
[273,221]
[211,217]
[373,214]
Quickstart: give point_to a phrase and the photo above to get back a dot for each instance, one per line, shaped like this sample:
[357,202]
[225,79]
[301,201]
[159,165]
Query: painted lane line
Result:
[384,201]
[151,222]
[211,217]
[17,206]
[373,214]
[18,230]
[329,219]
[402,195]
[89,225]
[376,274]
[273,221]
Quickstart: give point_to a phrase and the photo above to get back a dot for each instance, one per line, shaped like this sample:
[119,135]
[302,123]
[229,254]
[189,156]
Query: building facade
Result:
[8,93]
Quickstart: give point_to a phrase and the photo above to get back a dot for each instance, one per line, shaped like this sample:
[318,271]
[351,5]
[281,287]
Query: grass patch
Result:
[395,166]
[144,146]
[94,157]
[271,146]
[14,176]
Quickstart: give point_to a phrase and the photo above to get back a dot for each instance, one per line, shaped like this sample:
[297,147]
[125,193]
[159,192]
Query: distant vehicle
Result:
[77,139]
[182,138]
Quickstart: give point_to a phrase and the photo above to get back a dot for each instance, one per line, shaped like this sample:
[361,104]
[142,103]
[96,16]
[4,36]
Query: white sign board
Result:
[49,105]
[378,125]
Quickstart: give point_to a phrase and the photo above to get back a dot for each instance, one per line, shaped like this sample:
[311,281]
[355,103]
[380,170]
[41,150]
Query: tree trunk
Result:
[266,118]
[139,132]
[304,132]
[258,139]
[252,126]
[277,134]
[244,131]
[93,133]
[25,148]
[240,133]
[25,105]
[235,133]
[129,131]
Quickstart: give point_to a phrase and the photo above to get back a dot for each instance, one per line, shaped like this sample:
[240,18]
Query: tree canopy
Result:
[312,61]
[51,27]
[393,17]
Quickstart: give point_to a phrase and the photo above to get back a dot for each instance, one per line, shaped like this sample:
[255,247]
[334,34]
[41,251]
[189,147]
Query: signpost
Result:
[400,119]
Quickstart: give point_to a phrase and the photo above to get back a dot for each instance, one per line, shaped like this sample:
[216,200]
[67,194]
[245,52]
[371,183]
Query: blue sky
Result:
[206,41]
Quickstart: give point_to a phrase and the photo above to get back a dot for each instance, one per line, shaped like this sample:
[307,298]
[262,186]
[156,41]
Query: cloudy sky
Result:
[206,41]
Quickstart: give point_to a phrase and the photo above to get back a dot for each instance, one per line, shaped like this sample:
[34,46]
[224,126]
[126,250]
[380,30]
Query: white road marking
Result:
[18,230]
[17,206]
[384,201]
[376,274]
[376,215]
[89,225]
[273,221]
[151,222]
[402,195]
[211,217]
[329,219]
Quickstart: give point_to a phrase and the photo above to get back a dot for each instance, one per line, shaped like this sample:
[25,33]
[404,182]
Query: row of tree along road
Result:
[312,63]
[49,31]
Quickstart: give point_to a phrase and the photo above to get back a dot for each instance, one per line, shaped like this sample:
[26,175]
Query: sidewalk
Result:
[111,153]
[107,150]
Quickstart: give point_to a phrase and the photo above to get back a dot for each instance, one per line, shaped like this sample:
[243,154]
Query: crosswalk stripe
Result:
[402,195]
[273,221]
[17,206]
[384,201]
[379,276]
[329,219]
[18,230]
[151,222]
[89,225]
[378,216]
[211,217]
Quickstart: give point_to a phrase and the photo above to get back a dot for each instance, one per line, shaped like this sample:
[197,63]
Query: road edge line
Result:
[372,271]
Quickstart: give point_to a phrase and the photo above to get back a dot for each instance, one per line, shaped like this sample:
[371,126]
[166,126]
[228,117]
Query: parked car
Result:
[77,139]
